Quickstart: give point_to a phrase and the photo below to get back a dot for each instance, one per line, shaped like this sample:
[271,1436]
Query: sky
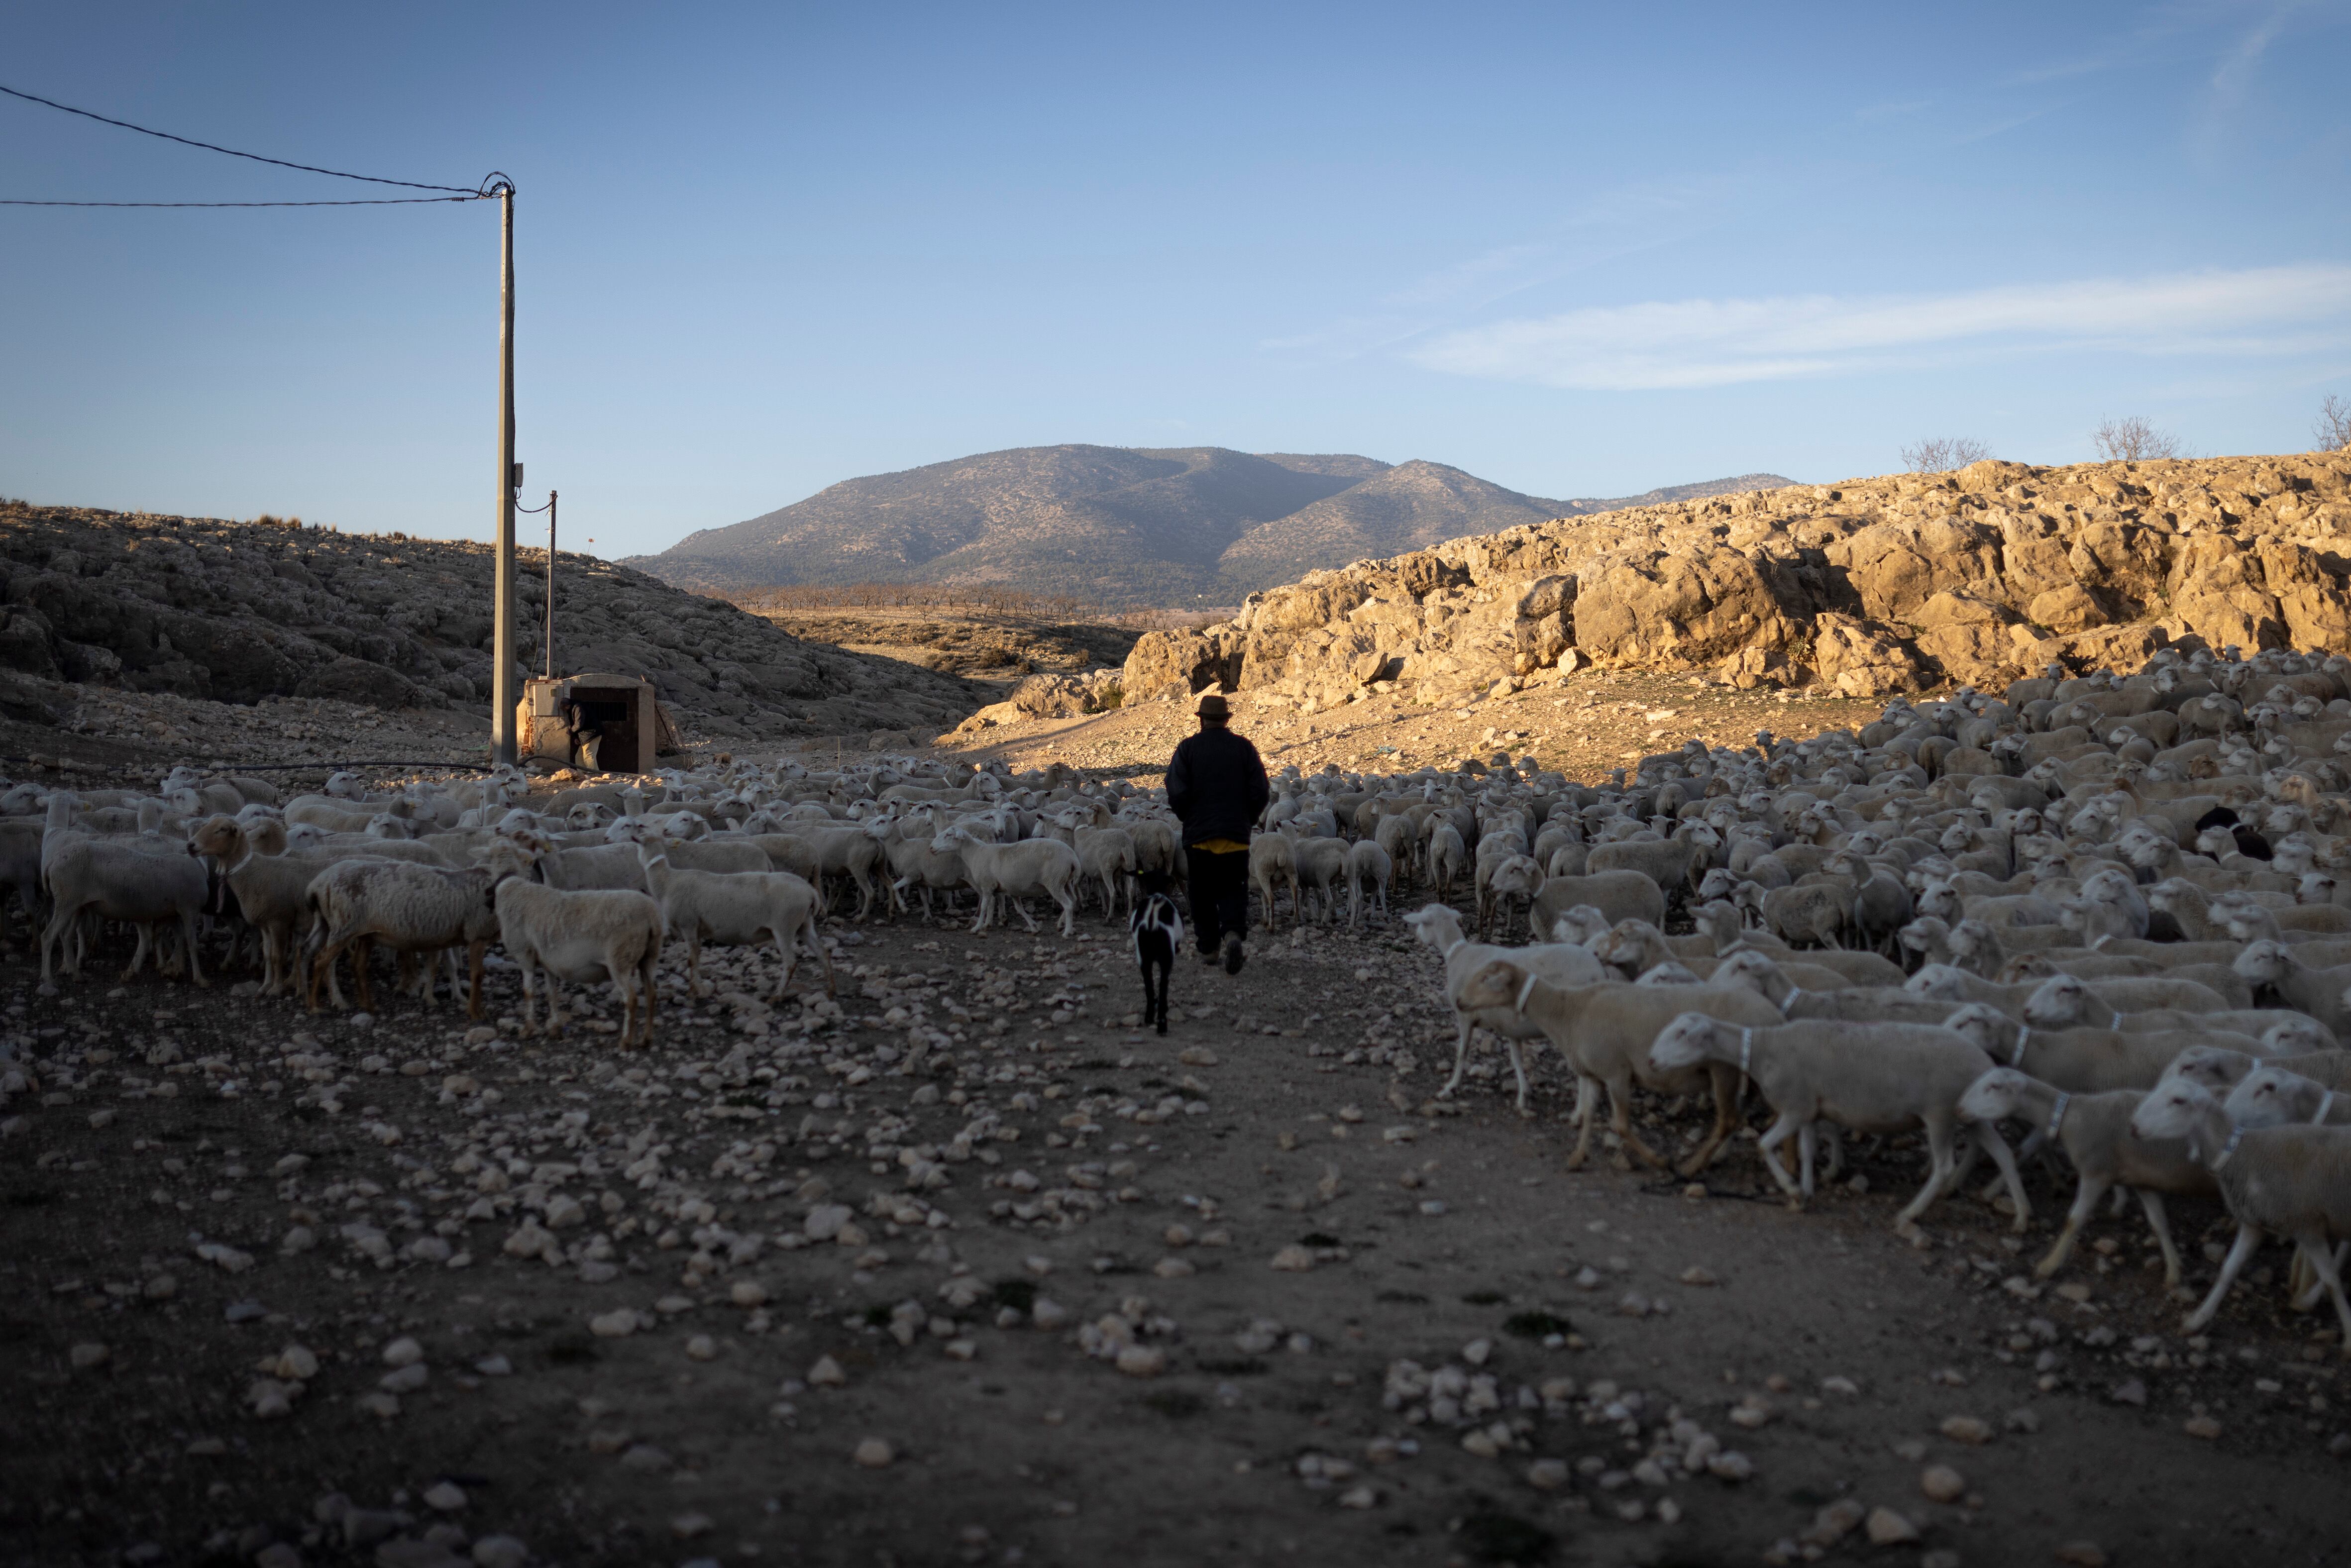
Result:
[1575,250]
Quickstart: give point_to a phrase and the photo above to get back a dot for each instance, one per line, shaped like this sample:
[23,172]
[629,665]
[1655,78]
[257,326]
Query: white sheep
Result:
[2295,1182]
[1273,859]
[1367,865]
[1439,926]
[1603,1032]
[582,937]
[2094,1129]
[736,909]
[116,881]
[1875,1078]
[1012,871]
[411,909]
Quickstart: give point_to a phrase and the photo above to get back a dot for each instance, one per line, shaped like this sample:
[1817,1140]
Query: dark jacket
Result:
[1216,783]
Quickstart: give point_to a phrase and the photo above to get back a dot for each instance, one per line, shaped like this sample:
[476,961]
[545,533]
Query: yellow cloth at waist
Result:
[1221,846]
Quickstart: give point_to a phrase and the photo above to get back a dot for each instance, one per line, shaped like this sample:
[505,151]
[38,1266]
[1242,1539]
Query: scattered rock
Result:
[874,1454]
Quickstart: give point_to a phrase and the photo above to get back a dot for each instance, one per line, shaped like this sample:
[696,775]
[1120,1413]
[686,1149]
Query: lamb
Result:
[1808,911]
[121,882]
[582,937]
[1109,855]
[1367,863]
[1875,1078]
[1601,1031]
[2094,1131]
[2068,1000]
[1618,895]
[1322,866]
[1440,927]
[272,891]
[2087,1060]
[1398,838]
[1759,972]
[2138,993]
[734,908]
[1666,863]
[2272,965]
[1501,881]
[1721,925]
[1272,859]
[1012,871]
[1446,854]
[1157,929]
[408,909]
[2293,1181]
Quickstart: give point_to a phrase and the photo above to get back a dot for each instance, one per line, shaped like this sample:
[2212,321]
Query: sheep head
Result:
[1984,1026]
[1685,1042]
[1994,1095]
[2058,1004]
[2172,1109]
[2264,963]
[2269,1097]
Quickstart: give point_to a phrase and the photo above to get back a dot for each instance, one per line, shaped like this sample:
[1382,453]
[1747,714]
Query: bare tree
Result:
[1941,454]
[2334,426]
[2134,440]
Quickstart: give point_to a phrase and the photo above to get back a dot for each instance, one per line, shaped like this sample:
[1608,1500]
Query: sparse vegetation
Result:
[2333,426]
[1941,454]
[2134,440]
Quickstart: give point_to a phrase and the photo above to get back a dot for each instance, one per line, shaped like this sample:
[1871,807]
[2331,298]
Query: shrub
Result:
[2333,425]
[2134,440]
[1941,454]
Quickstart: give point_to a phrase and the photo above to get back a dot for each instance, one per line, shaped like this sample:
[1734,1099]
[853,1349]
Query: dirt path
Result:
[697,1434]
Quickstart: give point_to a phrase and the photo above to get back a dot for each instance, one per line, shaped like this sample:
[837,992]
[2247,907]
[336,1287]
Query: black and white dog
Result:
[1156,928]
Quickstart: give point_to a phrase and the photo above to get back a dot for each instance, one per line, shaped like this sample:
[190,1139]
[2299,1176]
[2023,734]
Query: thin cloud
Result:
[1670,344]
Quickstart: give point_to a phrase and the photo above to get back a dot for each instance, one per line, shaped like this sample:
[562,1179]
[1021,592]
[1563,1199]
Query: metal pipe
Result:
[502,671]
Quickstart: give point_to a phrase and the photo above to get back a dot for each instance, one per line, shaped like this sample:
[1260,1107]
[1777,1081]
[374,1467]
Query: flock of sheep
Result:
[2095,910]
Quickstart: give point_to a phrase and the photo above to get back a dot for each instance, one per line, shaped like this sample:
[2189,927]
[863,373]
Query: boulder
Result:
[2068,608]
[1676,607]
[349,680]
[2217,592]
[1894,568]
[1863,658]
[1967,635]
[1160,659]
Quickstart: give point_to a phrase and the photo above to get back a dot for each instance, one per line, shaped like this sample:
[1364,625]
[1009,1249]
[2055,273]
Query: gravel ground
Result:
[964,1268]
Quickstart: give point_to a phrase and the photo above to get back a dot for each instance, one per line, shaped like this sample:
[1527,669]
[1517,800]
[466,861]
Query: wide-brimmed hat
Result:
[1213,706]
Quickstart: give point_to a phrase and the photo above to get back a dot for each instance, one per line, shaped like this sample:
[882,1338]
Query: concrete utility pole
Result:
[503,697]
[550,585]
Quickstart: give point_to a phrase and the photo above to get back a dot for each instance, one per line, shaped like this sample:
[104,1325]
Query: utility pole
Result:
[502,673]
[550,585]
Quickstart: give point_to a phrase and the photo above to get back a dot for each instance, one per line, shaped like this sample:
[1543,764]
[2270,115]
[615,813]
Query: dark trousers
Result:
[1220,885]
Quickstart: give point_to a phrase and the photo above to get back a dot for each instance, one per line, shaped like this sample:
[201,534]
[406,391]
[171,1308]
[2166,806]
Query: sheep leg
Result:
[816,942]
[2248,1238]
[980,925]
[362,977]
[648,988]
[1834,1136]
[1587,1102]
[2158,1222]
[1725,1082]
[1519,1067]
[139,953]
[1941,1163]
[1068,899]
[2086,1206]
[474,953]
[1807,1138]
[1773,1136]
[1996,1147]
[1461,1055]
[2323,1263]
[1022,904]
[1620,1119]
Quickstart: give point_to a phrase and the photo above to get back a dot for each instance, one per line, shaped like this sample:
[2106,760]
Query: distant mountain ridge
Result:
[1120,525]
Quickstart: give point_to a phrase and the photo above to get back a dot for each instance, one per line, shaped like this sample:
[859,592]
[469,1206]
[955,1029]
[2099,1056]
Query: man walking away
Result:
[1216,784]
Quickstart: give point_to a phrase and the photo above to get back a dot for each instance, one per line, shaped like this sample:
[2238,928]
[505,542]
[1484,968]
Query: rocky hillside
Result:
[1115,525]
[240,612]
[1871,586]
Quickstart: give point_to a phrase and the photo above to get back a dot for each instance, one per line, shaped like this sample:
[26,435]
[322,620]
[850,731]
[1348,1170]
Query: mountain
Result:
[1118,526]
[1672,492]
[1407,508]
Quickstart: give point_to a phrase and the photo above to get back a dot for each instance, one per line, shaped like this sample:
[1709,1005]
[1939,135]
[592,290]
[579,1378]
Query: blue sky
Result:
[1575,250]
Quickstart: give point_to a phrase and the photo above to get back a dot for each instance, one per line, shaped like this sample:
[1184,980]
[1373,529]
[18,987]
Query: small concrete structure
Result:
[607,724]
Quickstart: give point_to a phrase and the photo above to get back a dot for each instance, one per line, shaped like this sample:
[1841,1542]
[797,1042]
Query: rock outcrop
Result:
[243,612]
[1871,587]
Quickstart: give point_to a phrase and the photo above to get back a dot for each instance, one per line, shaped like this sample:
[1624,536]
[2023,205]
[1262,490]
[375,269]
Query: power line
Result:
[375,202]
[209,147]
